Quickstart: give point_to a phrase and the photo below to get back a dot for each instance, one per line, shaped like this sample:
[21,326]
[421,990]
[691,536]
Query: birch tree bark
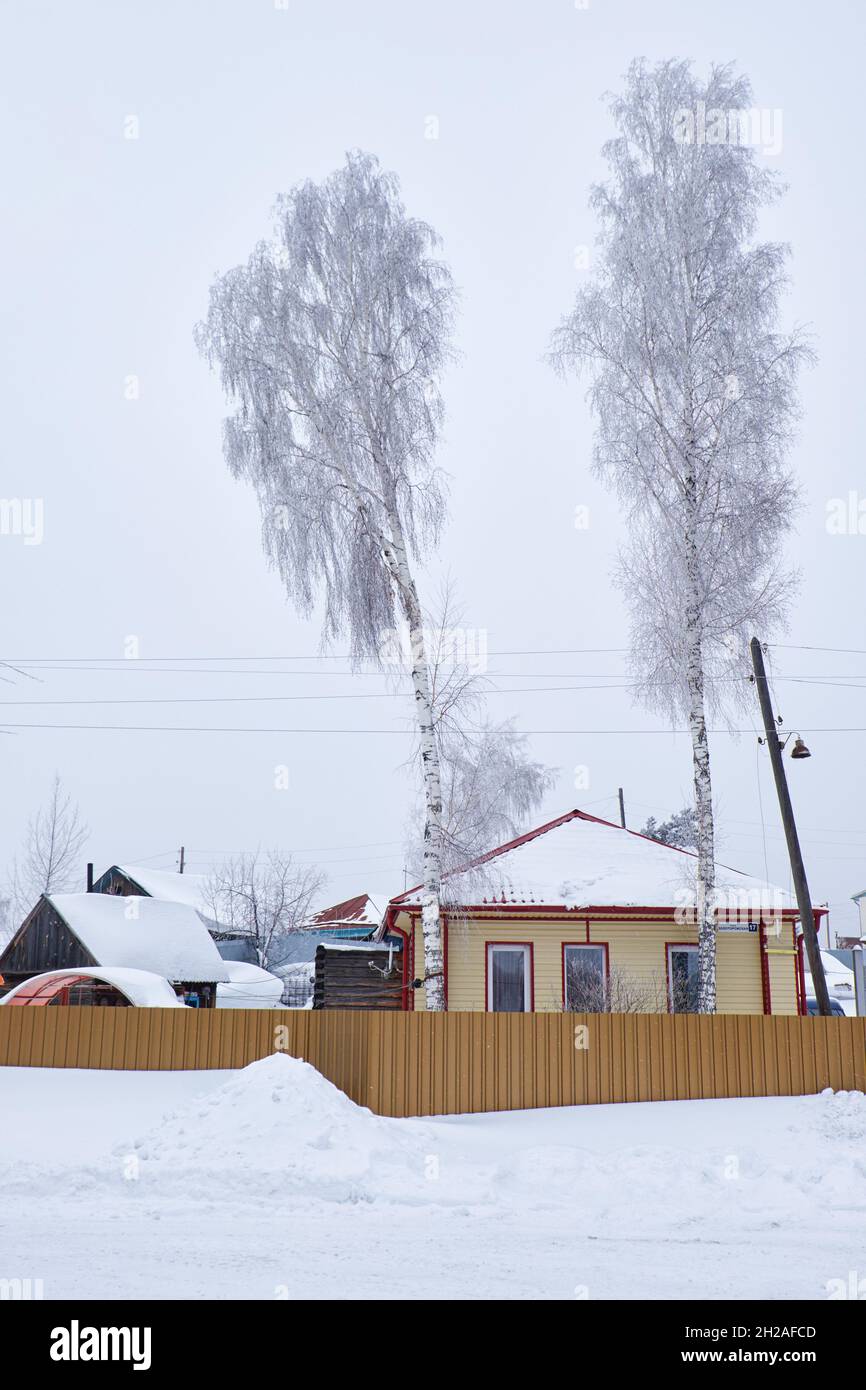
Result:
[431,916]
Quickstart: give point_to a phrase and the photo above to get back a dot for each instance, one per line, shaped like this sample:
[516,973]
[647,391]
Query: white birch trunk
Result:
[706,875]
[397,561]
[431,917]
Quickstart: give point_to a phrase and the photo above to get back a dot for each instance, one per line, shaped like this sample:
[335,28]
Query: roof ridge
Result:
[509,845]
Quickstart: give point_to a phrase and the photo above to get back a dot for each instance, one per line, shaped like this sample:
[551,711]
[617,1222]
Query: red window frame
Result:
[582,945]
[528,945]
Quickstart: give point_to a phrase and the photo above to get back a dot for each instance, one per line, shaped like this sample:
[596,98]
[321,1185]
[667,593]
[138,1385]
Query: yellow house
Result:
[584,916]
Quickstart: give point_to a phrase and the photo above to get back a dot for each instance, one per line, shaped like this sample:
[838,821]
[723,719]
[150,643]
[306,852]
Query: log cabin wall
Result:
[354,979]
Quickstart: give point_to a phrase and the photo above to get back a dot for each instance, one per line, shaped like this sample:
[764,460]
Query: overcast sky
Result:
[112,421]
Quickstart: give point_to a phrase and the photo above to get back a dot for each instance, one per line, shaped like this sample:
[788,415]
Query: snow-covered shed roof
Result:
[170,887]
[579,861]
[141,987]
[167,938]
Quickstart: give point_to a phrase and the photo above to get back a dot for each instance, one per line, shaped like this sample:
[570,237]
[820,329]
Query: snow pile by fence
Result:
[843,1115]
[279,1128]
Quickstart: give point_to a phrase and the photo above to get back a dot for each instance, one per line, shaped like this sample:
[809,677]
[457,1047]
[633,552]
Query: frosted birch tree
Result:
[693,388]
[491,786]
[490,789]
[330,342]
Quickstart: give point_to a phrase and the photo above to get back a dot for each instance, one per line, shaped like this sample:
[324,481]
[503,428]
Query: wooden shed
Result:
[359,975]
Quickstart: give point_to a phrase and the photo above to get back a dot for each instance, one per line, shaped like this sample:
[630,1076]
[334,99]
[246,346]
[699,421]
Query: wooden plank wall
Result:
[431,1064]
[344,979]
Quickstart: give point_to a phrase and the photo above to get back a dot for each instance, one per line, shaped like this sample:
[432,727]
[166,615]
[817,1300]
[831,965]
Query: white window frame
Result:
[671,947]
[582,946]
[492,948]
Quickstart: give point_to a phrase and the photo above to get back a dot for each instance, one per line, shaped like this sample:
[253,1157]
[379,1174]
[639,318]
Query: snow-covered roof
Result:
[360,911]
[241,972]
[249,985]
[579,861]
[141,987]
[170,887]
[354,946]
[167,938]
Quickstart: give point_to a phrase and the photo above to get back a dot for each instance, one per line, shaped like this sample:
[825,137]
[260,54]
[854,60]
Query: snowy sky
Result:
[110,246]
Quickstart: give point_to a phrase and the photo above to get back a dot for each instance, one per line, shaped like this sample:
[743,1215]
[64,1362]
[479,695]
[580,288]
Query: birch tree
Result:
[330,342]
[490,789]
[50,861]
[490,784]
[693,387]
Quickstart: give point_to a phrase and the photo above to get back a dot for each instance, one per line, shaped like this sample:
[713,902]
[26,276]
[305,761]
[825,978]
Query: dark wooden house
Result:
[68,930]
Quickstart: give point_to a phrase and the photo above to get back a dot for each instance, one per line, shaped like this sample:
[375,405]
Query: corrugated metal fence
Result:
[431,1064]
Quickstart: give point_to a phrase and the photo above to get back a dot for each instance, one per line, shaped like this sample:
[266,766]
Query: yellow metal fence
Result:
[433,1064]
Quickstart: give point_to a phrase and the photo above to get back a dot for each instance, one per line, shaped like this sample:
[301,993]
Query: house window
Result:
[585,979]
[683,979]
[509,978]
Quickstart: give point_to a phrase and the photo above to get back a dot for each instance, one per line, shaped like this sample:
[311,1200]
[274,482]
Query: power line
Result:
[798,647]
[235,729]
[321,656]
[121,663]
[267,699]
[354,695]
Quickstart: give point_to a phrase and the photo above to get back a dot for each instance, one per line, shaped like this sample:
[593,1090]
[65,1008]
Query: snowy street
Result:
[269,1183]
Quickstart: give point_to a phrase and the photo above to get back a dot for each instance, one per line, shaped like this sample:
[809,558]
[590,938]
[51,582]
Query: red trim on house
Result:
[581,945]
[668,945]
[407,979]
[487,944]
[765,968]
[800,967]
[389,927]
[608,911]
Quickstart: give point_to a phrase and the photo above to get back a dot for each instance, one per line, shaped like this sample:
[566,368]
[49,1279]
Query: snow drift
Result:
[279,1128]
[271,1177]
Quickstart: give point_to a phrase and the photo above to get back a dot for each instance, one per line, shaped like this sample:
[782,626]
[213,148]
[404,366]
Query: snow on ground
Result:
[270,1183]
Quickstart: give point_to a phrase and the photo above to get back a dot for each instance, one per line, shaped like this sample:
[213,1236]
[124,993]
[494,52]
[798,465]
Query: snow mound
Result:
[843,1115]
[279,1128]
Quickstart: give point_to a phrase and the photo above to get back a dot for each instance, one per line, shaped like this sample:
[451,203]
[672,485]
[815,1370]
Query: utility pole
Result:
[182,858]
[621,808]
[798,871]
